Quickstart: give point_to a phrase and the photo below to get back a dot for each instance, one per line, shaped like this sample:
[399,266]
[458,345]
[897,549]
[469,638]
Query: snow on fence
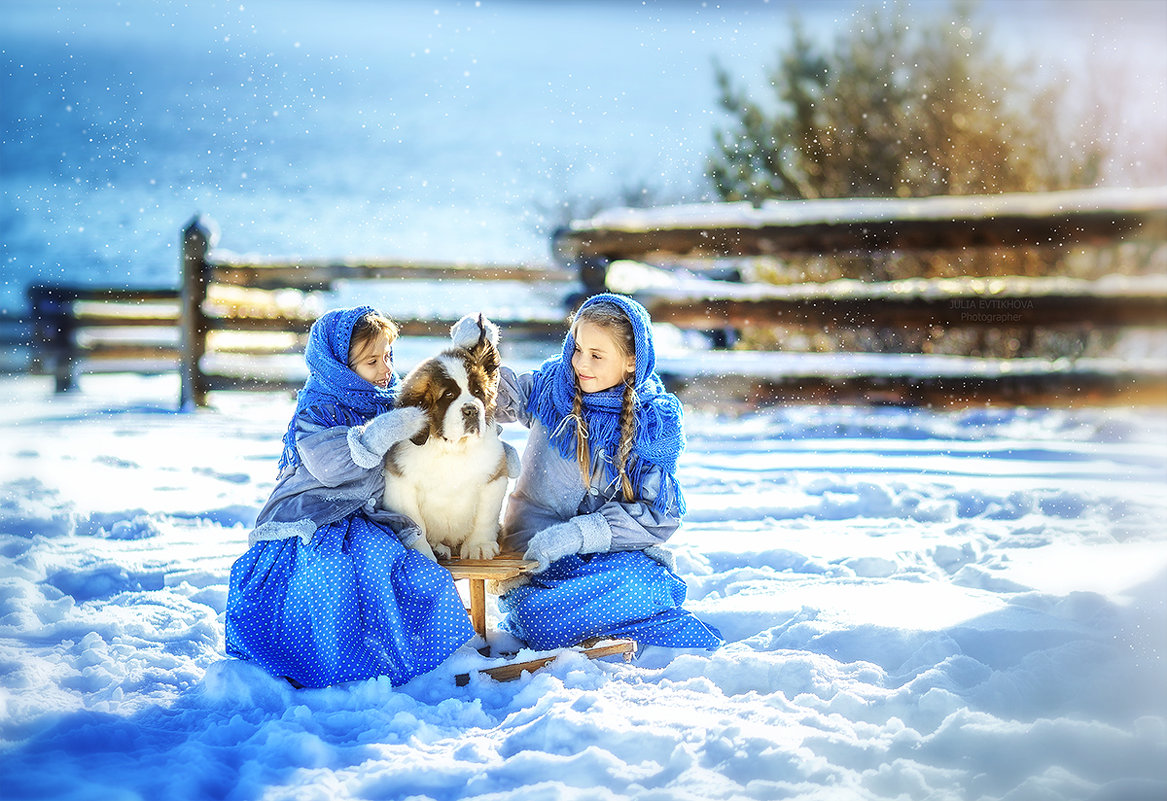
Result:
[1090,216]
[239,323]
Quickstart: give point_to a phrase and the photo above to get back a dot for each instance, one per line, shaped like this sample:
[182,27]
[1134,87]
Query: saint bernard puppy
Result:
[451,478]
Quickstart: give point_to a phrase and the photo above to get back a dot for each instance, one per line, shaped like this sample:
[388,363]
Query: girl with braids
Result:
[329,589]
[598,493]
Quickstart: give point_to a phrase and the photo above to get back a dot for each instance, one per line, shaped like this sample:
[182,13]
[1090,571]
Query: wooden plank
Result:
[109,351]
[108,320]
[1052,390]
[215,382]
[116,294]
[294,325]
[535,329]
[1099,216]
[501,567]
[259,349]
[910,311]
[512,329]
[515,670]
[478,571]
[315,275]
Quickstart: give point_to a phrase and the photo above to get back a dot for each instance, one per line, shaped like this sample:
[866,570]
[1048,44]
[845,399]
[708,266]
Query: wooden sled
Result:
[501,568]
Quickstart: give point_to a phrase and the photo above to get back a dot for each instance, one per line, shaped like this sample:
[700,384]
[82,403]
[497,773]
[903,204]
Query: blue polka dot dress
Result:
[614,594]
[352,604]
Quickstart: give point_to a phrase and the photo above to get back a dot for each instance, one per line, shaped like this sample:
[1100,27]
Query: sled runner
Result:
[501,568]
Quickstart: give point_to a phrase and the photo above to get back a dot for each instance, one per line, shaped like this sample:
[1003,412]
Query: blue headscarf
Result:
[660,435]
[331,381]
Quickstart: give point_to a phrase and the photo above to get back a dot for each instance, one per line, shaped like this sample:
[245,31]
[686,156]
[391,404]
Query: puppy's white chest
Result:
[440,467]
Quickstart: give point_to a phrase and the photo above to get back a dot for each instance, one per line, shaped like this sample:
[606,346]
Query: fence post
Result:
[195,244]
[593,275]
[54,338]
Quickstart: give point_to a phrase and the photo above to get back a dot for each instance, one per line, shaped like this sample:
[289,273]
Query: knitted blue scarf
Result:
[660,436]
[331,381]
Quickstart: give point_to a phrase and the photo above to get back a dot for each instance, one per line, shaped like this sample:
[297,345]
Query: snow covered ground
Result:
[921,605]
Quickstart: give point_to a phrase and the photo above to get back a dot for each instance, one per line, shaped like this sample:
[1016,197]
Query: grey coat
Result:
[550,489]
[337,475]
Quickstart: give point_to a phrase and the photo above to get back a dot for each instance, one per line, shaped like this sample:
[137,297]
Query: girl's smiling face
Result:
[374,362]
[598,361]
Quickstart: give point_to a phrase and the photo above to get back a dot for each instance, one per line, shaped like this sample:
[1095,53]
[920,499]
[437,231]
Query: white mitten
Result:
[514,463]
[580,534]
[465,332]
[661,555]
[369,443]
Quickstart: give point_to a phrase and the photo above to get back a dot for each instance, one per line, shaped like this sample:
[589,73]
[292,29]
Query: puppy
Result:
[451,479]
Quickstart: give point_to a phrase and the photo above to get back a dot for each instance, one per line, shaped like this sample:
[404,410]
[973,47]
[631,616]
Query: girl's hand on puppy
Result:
[385,430]
[465,332]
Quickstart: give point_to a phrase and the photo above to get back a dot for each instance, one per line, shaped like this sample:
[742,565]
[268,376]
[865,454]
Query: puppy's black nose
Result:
[470,418]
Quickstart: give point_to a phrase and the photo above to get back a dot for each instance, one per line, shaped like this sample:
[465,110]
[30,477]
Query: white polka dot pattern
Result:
[352,604]
[616,594]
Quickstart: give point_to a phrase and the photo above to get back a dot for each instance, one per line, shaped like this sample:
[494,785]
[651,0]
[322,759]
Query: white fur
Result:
[446,485]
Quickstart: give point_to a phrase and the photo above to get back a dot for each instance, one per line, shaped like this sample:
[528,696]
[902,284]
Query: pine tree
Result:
[899,106]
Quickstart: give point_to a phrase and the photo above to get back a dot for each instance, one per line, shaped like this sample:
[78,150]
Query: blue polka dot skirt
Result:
[353,604]
[617,594]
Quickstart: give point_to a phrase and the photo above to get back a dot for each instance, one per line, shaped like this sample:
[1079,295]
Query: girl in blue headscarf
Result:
[329,589]
[598,492]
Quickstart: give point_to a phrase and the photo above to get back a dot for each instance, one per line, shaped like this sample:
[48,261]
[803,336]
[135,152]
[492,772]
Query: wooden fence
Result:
[705,237]
[63,319]
[220,302]
[246,304]
[239,309]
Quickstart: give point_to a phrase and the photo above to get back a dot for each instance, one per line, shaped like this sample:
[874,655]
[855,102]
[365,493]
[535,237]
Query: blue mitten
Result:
[465,332]
[580,534]
[369,443]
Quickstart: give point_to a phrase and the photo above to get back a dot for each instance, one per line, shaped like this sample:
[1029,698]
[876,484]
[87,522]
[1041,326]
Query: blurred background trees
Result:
[901,106]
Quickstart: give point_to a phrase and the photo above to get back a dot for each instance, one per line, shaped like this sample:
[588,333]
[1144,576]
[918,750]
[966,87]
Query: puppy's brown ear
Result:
[490,359]
[484,351]
[421,437]
[410,395]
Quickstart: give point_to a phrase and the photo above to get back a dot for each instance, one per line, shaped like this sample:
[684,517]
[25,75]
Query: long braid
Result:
[582,454]
[615,321]
[627,438]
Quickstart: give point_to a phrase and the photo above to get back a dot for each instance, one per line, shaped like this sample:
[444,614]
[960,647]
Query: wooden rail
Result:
[980,302]
[61,314]
[1096,216]
[234,308]
[77,328]
[245,304]
[703,237]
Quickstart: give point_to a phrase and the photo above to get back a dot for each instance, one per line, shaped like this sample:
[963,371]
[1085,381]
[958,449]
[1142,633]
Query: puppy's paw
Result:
[479,550]
[442,550]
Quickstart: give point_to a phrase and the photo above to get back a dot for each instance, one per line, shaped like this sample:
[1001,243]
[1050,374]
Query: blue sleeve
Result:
[514,391]
[323,444]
